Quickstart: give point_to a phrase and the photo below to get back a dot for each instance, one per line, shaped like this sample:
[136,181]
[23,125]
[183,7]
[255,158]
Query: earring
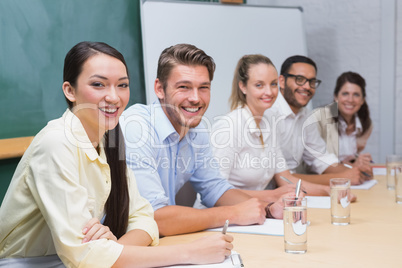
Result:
[244,92]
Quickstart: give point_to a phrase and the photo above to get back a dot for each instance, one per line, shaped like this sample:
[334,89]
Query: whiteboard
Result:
[225,32]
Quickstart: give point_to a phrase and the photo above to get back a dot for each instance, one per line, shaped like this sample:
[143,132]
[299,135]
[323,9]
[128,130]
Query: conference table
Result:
[373,239]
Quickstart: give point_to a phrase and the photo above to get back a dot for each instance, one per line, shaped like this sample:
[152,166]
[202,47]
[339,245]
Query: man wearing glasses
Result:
[298,138]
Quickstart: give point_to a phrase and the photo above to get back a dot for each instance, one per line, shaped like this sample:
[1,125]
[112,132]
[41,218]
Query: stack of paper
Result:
[229,262]
[270,227]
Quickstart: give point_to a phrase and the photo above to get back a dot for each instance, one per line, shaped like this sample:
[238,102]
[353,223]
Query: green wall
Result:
[35,36]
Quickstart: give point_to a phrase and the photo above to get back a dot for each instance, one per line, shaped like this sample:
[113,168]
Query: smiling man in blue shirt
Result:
[166,146]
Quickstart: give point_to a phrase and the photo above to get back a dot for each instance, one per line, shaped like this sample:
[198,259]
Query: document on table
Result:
[230,262]
[365,185]
[270,227]
[318,201]
[379,170]
[274,226]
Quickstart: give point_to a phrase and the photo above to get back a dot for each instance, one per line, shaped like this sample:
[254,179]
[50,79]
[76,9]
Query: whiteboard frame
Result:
[156,37]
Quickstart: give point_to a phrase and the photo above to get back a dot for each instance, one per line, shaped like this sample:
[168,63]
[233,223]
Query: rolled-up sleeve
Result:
[207,179]
[315,153]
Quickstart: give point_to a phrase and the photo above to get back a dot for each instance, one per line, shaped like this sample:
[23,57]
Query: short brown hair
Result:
[182,54]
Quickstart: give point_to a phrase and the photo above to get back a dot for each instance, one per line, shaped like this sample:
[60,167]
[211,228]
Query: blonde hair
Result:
[241,74]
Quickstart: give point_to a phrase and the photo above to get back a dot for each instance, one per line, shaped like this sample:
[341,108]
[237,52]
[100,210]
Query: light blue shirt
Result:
[162,163]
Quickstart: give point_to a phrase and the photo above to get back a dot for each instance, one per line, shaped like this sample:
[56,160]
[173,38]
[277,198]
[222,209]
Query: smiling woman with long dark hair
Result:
[349,136]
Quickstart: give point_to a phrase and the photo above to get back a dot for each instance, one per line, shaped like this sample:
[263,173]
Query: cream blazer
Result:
[329,129]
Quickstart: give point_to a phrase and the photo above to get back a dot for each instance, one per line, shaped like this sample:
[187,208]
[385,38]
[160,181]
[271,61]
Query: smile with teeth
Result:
[304,93]
[108,110]
[349,106]
[191,110]
[266,99]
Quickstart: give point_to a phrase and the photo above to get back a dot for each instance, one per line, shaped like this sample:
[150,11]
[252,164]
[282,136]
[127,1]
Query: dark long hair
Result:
[364,112]
[117,205]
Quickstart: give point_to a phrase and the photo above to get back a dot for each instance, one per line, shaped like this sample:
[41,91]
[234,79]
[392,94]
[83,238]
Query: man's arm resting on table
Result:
[233,205]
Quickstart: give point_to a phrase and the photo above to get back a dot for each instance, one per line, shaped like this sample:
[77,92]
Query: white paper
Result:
[379,171]
[270,227]
[318,201]
[227,263]
[365,185]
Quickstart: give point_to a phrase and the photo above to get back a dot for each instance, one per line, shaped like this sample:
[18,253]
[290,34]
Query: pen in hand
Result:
[225,227]
[371,161]
[298,188]
[364,173]
[290,182]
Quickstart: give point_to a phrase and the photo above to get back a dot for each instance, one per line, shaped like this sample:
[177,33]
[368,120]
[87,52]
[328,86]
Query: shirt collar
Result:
[343,125]
[76,134]
[282,105]
[163,126]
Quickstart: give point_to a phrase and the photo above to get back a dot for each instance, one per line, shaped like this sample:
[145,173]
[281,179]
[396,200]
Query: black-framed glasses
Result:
[301,80]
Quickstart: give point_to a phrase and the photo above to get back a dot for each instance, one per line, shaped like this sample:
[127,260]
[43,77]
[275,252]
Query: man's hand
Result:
[249,212]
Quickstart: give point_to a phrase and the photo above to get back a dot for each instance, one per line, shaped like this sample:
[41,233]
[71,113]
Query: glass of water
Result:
[398,183]
[392,161]
[295,224]
[340,201]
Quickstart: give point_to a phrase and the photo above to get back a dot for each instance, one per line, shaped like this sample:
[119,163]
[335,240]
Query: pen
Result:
[241,261]
[298,188]
[225,227]
[364,173]
[348,166]
[371,161]
[285,179]
[290,182]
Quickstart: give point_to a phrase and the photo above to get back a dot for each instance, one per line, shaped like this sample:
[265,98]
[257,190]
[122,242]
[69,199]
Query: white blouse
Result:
[243,159]
[347,142]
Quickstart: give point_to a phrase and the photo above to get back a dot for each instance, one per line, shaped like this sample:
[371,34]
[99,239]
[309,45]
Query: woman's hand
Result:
[94,230]
[284,189]
[352,197]
[210,249]
[363,163]
[277,208]
[354,174]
